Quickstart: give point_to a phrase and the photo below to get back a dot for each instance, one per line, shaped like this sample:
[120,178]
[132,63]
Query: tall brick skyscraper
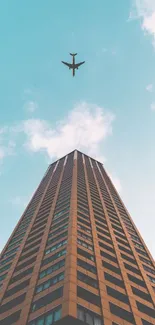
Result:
[75,256]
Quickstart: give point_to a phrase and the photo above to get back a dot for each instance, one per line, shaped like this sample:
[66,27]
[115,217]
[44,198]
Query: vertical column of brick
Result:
[16,258]
[30,294]
[70,281]
[102,288]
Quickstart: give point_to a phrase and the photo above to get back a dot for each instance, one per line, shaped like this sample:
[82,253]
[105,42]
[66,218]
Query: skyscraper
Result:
[76,257]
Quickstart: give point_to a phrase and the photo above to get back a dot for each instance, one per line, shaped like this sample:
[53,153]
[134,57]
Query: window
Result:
[113,280]
[21,275]
[151,279]
[84,244]
[137,281]
[148,269]
[52,234]
[54,257]
[21,266]
[10,252]
[88,296]
[108,256]
[85,254]
[50,282]
[105,239]
[125,250]
[19,287]
[131,268]
[57,215]
[83,222]
[128,259]
[108,248]
[145,260]
[84,228]
[52,269]
[32,252]
[11,319]
[86,266]
[87,279]
[45,300]
[117,295]
[88,316]
[122,242]
[122,313]
[119,235]
[12,303]
[49,318]
[141,252]
[141,294]
[58,245]
[2,277]
[145,309]
[111,267]
[5,268]
[84,235]
[145,322]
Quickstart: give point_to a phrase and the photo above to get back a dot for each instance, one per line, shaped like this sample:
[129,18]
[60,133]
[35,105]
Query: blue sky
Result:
[107,110]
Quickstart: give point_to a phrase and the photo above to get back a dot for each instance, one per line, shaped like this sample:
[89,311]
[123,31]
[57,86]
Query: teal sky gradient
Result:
[120,62]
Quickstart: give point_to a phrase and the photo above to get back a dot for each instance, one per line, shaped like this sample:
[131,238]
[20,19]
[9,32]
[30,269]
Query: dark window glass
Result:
[17,288]
[145,309]
[137,281]
[108,256]
[113,280]
[122,313]
[86,266]
[145,322]
[44,301]
[117,295]
[85,254]
[111,267]
[88,296]
[128,259]
[12,303]
[48,318]
[11,319]
[54,257]
[21,275]
[108,248]
[141,294]
[45,285]
[87,279]
[131,268]
[30,261]
[51,269]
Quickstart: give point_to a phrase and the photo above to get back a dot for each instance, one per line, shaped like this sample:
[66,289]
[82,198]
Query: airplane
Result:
[73,65]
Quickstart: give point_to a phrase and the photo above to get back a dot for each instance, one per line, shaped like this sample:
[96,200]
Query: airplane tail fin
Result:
[73,54]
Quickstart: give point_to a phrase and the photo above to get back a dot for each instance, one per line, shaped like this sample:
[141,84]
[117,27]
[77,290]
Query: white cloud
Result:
[18,201]
[85,128]
[153,106]
[145,11]
[149,88]
[31,106]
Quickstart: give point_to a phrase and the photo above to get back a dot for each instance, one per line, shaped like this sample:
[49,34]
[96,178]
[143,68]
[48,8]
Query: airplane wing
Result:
[69,65]
[78,64]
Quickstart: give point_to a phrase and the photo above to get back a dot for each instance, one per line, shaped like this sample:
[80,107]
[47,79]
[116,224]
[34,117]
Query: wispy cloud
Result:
[145,11]
[30,106]
[153,106]
[149,88]
[19,201]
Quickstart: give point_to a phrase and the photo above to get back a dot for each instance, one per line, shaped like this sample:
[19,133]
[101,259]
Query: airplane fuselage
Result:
[73,65]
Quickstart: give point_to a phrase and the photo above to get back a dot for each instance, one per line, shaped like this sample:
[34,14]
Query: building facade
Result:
[76,257]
